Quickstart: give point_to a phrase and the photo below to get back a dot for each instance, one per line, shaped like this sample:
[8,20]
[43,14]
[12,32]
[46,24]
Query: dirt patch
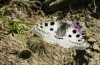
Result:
[42,52]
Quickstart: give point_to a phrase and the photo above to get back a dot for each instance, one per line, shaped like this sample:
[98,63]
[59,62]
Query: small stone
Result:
[91,40]
[88,50]
[1,22]
[96,47]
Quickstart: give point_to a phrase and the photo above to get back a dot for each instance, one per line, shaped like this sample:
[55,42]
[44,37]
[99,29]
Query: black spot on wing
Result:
[52,23]
[79,40]
[74,31]
[46,24]
[69,36]
[51,29]
[41,26]
[78,35]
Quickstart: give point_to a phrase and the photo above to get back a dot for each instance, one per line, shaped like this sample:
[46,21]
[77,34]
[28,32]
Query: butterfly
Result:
[66,35]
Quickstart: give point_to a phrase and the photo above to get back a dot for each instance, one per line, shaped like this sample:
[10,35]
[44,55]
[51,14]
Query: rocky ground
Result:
[39,52]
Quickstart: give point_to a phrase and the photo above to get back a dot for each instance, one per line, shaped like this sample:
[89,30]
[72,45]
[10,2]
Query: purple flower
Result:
[76,26]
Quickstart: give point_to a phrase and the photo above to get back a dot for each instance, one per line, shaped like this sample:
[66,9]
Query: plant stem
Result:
[21,22]
[22,39]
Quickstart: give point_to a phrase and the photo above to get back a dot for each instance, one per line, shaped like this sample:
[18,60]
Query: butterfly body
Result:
[59,33]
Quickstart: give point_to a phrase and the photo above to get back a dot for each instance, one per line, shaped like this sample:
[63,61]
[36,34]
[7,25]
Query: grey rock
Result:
[96,47]
[91,40]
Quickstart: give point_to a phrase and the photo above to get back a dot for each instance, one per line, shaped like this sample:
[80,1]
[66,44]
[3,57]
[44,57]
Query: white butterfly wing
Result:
[50,33]
[47,30]
[46,27]
[75,38]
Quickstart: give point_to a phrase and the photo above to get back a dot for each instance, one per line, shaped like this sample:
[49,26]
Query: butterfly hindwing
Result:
[74,36]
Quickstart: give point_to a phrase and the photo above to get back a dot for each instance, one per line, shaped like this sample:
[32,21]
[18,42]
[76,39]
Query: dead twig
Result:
[95,7]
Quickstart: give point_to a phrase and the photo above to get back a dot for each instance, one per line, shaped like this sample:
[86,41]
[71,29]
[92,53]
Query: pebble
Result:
[92,40]
[1,22]
[96,47]
[88,50]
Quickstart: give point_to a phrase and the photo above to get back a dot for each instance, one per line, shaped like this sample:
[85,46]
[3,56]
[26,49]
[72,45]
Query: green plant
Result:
[15,27]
